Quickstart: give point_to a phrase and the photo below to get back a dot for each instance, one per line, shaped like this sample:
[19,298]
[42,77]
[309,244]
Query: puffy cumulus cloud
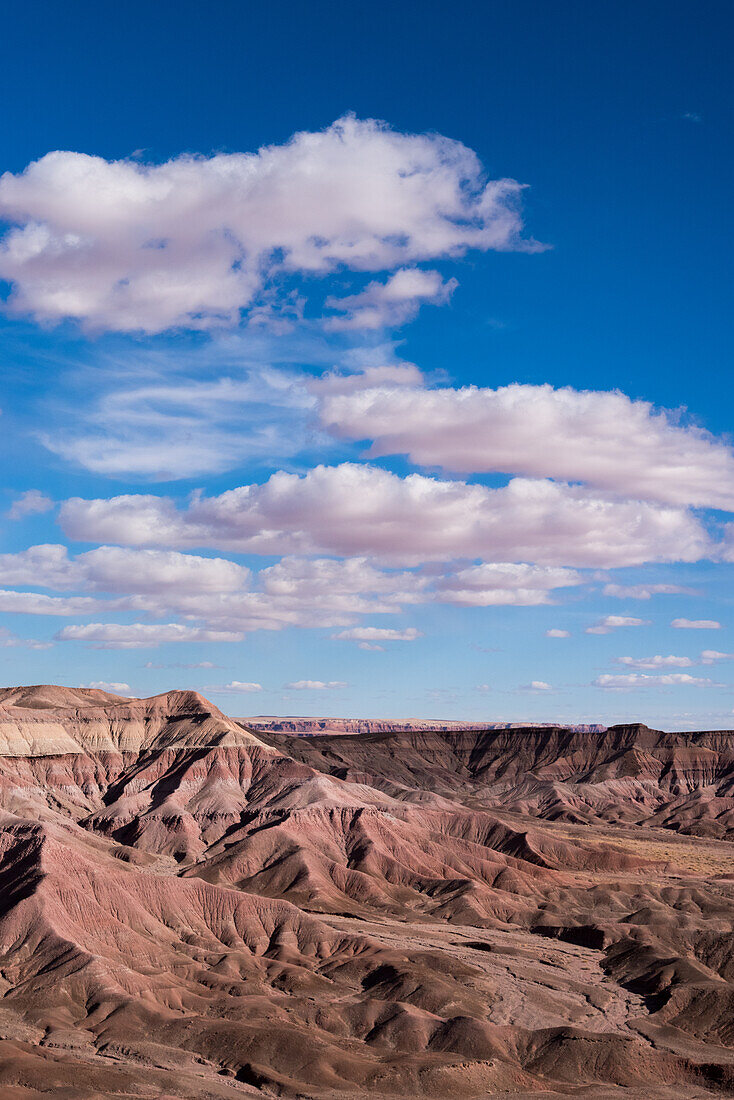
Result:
[536,685]
[238,687]
[37,603]
[390,303]
[556,633]
[504,583]
[657,661]
[192,242]
[352,509]
[711,656]
[141,635]
[696,624]
[182,664]
[109,685]
[613,622]
[323,578]
[707,657]
[293,592]
[31,503]
[321,592]
[539,431]
[368,634]
[315,685]
[394,374]
[644,591]
[121,569]
[627,681]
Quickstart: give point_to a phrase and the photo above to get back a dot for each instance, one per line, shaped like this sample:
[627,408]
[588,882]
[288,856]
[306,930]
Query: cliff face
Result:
[626,772]
[188,908]
[52,721]
[311,727]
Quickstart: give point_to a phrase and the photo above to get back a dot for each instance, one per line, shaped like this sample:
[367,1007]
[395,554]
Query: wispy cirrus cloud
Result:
[8,640]
[696,624]
[645,591]
[169,428]
[142,635]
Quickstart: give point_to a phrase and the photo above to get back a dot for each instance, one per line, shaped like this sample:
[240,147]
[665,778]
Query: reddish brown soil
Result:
[190,909]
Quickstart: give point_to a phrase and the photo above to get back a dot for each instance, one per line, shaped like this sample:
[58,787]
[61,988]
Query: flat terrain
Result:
[193,908]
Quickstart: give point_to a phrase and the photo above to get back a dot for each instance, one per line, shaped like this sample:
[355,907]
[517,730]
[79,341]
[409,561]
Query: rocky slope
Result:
[629,774]
[190,908]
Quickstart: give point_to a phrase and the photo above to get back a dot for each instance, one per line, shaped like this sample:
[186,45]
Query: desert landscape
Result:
[190,908]
[366,551]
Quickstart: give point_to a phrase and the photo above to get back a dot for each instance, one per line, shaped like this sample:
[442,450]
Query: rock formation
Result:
[190,908]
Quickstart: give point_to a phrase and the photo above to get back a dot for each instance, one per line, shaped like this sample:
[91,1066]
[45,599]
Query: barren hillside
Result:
[190,908]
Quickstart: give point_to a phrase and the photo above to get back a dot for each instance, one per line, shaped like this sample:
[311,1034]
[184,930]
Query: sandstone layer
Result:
[190,908]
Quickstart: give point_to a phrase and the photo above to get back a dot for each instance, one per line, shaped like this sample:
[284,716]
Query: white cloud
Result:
[238,687]
[12,641]
[166,430]
[726,548]
[391,303]
[192,242]
[181,664]
[504,583]
[293,592]
[379,634]
[707,657]
[31,503]
[642,679]
[121,569]
[296,592]
[112,686]
[536,685]
[696,624]
[657,661]
[556,633]
[363,510]
[613,622]
[711,656]
[644,591]
[397,374]
[538,431]
[141,635]
[315,685]
[36,603]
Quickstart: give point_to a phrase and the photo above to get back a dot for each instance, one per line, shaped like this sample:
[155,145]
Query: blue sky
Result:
[347,422]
